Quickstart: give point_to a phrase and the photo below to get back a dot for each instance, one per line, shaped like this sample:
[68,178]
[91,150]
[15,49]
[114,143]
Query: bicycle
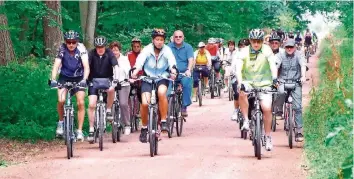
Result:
[117,126]
[289,118]
[174,108]
[229,81]
[201,86]
[153,108]
[134,108]
[213,85]
[256,128]
[274,119]
[307,53]
[69,135]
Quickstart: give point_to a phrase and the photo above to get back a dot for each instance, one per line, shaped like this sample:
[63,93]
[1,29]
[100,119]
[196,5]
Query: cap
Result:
[289,42]
[201,44]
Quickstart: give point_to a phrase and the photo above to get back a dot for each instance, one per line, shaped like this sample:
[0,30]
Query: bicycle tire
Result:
[131,112]
[152,136]
[100,128]
[68,133]
[114,124]
[200,93]
[179,117]
[136,112]
[258,136]
[156,133]
[291,127]
[170,116]
[212,84]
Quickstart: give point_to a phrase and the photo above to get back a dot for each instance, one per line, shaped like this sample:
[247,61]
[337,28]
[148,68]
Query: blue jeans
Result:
[187,89]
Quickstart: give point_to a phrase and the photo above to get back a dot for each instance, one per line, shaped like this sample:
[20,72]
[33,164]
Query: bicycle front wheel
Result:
[200,95]
[101,127]
[179,117]
[291,127]
[171,115]
[258,136]
[152,131]
[68,133]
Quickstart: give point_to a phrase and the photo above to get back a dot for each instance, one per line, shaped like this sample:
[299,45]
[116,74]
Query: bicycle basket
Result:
[101,83]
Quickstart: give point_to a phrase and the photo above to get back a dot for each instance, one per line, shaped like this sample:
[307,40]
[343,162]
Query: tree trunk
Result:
[91,24]
[24,27]
[83,16]
[53,36]
[6,49]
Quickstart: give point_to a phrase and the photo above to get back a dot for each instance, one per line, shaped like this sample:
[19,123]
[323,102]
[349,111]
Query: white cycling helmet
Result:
[212,41]
[201,44]
[256,34]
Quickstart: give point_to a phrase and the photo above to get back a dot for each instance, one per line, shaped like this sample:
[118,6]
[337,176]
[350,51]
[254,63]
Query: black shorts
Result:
[147,87]
[62,79]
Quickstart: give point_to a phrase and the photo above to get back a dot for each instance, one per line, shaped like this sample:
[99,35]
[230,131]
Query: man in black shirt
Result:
[103,64]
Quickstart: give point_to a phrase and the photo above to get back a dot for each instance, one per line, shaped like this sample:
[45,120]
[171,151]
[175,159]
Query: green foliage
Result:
[329,118]
[28,105]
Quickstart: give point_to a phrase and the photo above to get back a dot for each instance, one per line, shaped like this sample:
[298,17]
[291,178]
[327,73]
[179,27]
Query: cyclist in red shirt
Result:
[213,49]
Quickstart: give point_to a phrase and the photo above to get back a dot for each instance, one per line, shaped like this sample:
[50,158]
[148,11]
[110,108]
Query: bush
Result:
[28,106]
[329,119]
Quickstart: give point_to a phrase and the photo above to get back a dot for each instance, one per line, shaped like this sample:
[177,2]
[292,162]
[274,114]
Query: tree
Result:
[90,23]
[6,48]
[52,23]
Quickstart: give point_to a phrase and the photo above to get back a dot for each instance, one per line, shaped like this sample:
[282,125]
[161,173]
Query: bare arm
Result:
[57,64]
[86,65]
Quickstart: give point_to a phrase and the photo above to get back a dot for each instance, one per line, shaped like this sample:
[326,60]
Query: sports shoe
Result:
[79,136]
[60,128]
[143,135]
[184,112]
[299,137]
[164,126]
[127,130]
[90,137]
[109,117]
[234,116]
[246,125]
[269,145]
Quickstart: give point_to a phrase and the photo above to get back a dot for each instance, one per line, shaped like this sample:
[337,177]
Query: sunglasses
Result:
[178,37]
[290,47]
[71,42]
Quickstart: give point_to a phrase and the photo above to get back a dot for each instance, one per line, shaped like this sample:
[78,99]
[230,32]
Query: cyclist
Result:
[183,53]
[255,67]
[291,35]
[73,59]
[241,44]
[213,49]
[315,39]
[155,59]
[281,34]
[308,40]
[229,54]
[274,42]
[202,58]
[132,55]
[292,66]
[221,48]
[123,93]
[102,64]
[298,38]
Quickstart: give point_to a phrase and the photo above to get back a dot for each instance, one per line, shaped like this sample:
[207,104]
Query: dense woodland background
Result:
[31,31]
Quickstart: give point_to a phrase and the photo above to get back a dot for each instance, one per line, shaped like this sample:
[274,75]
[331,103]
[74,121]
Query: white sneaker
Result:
[269,145]
[246,125]
[127,130]
[79,136]
[60,129]
[234,116]
[225,89]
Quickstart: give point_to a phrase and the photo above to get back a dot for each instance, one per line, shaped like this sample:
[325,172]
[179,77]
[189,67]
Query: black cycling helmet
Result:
[71,35]
[100,41]
[158,32]
[274,37]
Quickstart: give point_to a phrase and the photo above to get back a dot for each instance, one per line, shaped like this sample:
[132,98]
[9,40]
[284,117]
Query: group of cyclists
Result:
[251,64]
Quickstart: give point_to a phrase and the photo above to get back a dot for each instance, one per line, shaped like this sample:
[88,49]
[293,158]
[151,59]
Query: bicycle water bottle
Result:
[153,97]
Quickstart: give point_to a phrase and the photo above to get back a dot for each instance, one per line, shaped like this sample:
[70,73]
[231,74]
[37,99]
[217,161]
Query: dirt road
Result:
[209,148]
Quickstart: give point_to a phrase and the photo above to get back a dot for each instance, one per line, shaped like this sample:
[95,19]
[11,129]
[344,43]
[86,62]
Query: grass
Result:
[328,123]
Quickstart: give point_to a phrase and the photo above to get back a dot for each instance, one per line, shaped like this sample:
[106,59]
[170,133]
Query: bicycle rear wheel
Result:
[101,127]
[212,85]
[171,115]
[152,131]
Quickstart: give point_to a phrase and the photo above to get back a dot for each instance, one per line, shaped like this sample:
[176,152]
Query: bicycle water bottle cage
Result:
[289,86]
[101,83]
